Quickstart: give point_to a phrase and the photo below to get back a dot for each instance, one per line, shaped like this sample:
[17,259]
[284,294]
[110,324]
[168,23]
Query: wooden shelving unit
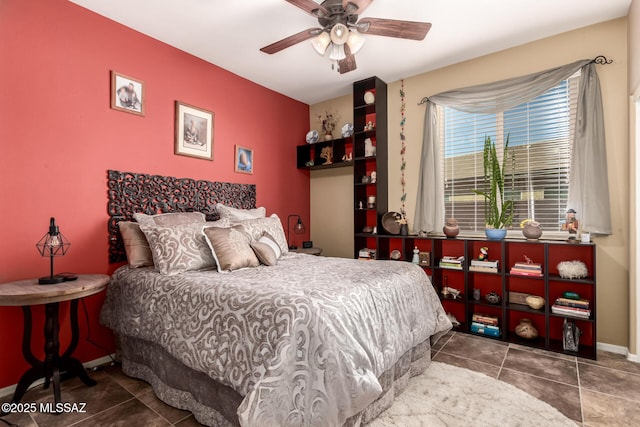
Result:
[549,286]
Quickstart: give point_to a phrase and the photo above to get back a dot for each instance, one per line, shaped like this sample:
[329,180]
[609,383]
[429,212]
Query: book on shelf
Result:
[528,266]
[521,272]
[484,263]
[483,325]
[567,302]
[477,268]
[484,330]
[485,319]
[571,311]
[451,262]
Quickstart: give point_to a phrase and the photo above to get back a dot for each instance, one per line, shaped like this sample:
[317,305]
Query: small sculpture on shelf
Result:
[570,336]
[571,222]
[327,154]
[484,254]
[492,298]
[369,148]
[416,256]
[525,329]
[369,126]
[451,227]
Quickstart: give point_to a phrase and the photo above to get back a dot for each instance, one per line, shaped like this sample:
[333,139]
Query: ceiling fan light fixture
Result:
[339,34]
[337,52]
[355,41]
[321,42]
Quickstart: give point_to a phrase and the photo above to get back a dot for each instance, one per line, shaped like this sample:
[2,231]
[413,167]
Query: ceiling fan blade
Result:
[309,6]
[291,40]
[360,5]
[347,64]
[394,28]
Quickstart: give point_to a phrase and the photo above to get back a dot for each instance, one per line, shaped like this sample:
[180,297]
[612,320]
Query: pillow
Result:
[166,219]
[235,215]
[178,248]
[230,247]
[135,244]
[266,249]
[272,225]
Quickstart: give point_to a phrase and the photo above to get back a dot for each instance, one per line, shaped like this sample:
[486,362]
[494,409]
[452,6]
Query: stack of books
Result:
[485,324]
[527,269]
[484,266]
[572,307]
[452,262]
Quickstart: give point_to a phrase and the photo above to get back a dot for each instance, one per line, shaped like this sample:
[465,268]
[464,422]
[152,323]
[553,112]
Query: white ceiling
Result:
[230,33]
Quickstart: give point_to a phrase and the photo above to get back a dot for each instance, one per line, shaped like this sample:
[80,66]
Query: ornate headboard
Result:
[152,194]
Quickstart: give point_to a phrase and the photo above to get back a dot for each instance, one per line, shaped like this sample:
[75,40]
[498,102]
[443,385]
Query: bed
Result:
[305,341]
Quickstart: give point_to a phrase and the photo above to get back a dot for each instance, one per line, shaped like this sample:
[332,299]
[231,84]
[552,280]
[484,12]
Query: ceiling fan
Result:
[340,32]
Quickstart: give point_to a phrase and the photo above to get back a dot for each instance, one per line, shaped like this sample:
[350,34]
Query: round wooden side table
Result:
[26,293]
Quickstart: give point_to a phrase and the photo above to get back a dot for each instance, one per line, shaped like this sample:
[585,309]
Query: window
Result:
[537,172]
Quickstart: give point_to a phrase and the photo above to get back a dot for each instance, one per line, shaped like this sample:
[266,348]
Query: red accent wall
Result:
[59,136]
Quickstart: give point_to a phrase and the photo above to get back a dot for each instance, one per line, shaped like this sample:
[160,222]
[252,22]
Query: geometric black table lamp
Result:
[297,229]
[53,244]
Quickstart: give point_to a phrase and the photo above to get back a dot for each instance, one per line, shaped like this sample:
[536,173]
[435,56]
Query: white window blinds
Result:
[537,173]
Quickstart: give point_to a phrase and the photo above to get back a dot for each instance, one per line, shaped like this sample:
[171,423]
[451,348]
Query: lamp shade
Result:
[339,34]
[355,41]
[337,52]
[321,42]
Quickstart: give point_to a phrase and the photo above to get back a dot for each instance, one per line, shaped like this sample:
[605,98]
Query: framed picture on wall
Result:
[244,160]
[127,94]
[194,131]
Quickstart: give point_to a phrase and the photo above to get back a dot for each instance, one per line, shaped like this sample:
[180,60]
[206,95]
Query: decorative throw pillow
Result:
[178,248]
[167,219]
[135,244]
[235,215]
[266,249]
[272,225]
[230,248]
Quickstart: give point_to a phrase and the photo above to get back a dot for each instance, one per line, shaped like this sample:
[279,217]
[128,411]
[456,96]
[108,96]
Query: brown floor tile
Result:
[543,352]
[542,365]
[609,381]
[614,361]
[605,410]
[170,413]
[477,348]
[130,413]
[565,398]
[473,365]
[442,341]
[189,422]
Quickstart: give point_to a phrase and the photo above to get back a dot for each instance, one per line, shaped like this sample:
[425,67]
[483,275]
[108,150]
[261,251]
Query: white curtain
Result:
[589,189]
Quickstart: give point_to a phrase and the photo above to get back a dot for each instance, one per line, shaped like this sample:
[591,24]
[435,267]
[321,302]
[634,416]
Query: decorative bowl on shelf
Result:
[312,137]
[390,222]
[535,302]
[369,97]
[492,298]
[395,254]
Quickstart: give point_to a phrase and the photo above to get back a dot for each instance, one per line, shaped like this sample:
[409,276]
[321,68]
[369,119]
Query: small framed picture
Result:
[425,258]
[244,160]
[194,131]
[127,94]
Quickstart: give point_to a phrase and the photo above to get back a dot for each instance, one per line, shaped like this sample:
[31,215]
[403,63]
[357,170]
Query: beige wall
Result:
[609,39]
[633,49]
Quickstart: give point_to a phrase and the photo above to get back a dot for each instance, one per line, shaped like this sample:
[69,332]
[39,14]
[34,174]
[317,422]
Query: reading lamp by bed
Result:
[297,229]
[52,244]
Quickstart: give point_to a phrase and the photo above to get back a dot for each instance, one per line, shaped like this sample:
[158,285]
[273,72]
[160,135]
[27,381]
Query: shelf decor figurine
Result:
[416,256]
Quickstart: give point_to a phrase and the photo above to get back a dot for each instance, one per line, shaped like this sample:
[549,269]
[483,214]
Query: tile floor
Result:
[605,392]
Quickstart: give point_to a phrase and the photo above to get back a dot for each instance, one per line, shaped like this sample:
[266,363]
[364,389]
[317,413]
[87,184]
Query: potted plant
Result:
[328,123]
[498,211]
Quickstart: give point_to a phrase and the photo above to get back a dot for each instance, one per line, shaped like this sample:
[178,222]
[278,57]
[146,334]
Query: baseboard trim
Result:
[9,390]
[618,349]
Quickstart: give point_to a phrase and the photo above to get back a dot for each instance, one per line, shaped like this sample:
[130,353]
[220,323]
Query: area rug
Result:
[445,395]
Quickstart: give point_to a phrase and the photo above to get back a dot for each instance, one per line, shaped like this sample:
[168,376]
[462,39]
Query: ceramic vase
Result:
[451,228]
[404,230]
[525,329]
[532,230]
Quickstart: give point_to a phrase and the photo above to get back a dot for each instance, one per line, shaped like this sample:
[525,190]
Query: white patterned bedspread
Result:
[303,341]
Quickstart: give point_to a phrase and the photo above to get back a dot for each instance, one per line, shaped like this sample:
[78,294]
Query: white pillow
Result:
[235,215]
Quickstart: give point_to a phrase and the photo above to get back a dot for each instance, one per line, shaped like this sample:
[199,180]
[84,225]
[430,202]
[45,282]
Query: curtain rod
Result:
[600,59]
